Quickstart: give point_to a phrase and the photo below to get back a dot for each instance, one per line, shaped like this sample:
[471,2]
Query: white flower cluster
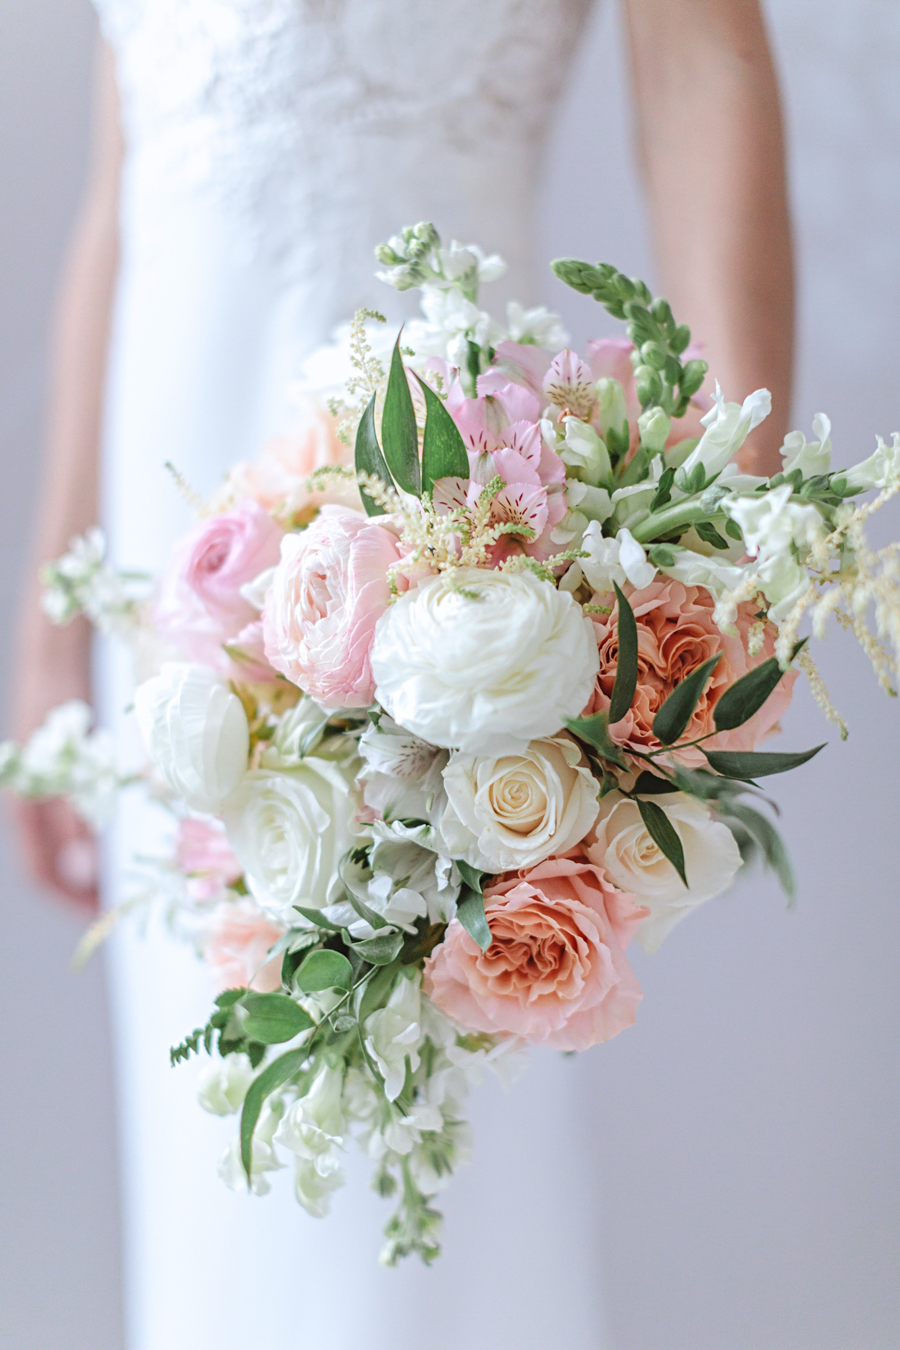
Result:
[65,758]
[82,582]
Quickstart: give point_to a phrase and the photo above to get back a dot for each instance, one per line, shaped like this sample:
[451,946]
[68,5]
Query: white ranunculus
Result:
[196,733]
[222,1084]
[516,810]
[878,470]
[393,1035]
[614,560]
[635,863]
[289,832]
[727,427]
[812,458]
[484,661]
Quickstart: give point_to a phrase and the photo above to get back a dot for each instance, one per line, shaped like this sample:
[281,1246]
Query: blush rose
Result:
[237,942]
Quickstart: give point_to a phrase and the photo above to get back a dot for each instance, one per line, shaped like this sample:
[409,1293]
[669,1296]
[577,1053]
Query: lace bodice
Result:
[298,117]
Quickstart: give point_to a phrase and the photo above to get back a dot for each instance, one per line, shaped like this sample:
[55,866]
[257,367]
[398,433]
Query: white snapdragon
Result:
[83,582]
[263,1157]
[222,1084]
[812,458]
[451,322]
[634,862]
[727,427]
[401,773]
[441,673]
[64,758]
[289,831]
[613,560]
[585,454]
[538,326]
[716,574]
[313,1128]
[394,1036]
[196,732]
[403,880]
[515,811]
[778,533]
[879,470]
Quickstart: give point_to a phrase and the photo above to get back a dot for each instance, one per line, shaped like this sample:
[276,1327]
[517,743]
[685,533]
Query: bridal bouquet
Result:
[457,695]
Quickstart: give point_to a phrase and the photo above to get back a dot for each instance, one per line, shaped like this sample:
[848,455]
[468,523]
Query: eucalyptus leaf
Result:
[747,764]
[771,843]
[272,1018]
[674,715]
[470,912]
[228,997]
[399,436]
[324,969]
[664,835]
[277,1073]
[594,731]
[369,459]
[380,950]
[626,661]
[747,695]
[443,449]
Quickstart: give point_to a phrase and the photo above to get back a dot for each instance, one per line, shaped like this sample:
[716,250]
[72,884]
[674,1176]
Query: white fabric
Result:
[272,143]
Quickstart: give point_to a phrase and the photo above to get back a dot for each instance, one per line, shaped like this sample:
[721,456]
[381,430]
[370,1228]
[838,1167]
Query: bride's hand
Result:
[59,849]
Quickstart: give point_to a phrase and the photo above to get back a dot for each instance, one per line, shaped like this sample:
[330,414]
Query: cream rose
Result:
[196,733]
[624,848]
[483,661]
[512,812]
[289,831]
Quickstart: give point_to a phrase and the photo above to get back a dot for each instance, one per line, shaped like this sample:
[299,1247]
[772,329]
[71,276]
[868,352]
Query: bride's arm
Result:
[710,136]
[54,663]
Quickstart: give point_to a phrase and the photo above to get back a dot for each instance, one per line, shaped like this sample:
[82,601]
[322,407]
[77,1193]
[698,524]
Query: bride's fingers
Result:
[60,851]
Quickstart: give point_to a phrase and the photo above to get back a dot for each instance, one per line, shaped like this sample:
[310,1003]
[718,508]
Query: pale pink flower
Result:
[238,940]
[555,973]
[200,605]
[205,857]
[569,385]
[326,597]
[278,479]
[676,634]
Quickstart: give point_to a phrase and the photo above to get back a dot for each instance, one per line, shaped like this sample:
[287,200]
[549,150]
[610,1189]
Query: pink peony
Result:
[204,856]
[327,594]
[200,605]
[237,942]
[555,973]
[676,634]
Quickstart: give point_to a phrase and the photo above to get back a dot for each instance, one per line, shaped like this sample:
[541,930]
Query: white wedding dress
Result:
[271,144]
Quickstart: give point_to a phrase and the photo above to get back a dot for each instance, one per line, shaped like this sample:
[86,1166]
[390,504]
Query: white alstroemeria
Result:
[393,1035]
[222,1084]
[514,811]
[298,733]
[654,427]
[727,427]
[263,1157]
[401,773]
[538,326]
[64,758]
[290,831]
[634,862]
[812,458]
[879,470]
[255,591]
[697,569]
[196,732]
[585,454]
[614,560]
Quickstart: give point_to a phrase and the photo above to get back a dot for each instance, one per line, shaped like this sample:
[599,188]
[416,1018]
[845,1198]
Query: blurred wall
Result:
[750,1121]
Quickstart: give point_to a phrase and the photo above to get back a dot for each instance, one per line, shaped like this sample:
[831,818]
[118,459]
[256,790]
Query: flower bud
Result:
[654,427]
[584,453]
[612,414]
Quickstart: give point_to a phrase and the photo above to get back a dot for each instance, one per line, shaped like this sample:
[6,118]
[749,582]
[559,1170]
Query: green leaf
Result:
[278,1072]
[663,490]
[398,429]
[470,912]
[369,459]
[324,969]
[710,535]
[380,950]
[273,1018]
[472,876]
[626,662]
[443,449]
[229,997]
[635,471]
[650,785]
[747,695]
[771,843]
[371,916]
[594,731]
[748,764]
[674,715]
[318,918]
[376,991]
[664,835]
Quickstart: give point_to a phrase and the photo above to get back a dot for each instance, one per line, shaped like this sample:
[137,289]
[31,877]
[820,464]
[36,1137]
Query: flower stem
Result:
[669,519]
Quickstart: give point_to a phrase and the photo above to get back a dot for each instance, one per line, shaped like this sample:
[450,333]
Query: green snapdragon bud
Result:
[654,427]
[612,413]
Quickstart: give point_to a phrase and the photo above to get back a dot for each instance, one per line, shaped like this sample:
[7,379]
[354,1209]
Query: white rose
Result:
[289,831]
[635,863]
[222,1084]
[517,810]
[484,661]
[196,733]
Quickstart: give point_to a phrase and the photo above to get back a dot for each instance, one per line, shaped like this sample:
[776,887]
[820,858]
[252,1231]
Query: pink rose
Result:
[327,594]
[555,973]
[200,606]
[237,942]
[676,634]
[279,479]
[204,856]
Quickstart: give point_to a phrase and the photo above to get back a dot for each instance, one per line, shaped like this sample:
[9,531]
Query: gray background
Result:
[751,1120]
